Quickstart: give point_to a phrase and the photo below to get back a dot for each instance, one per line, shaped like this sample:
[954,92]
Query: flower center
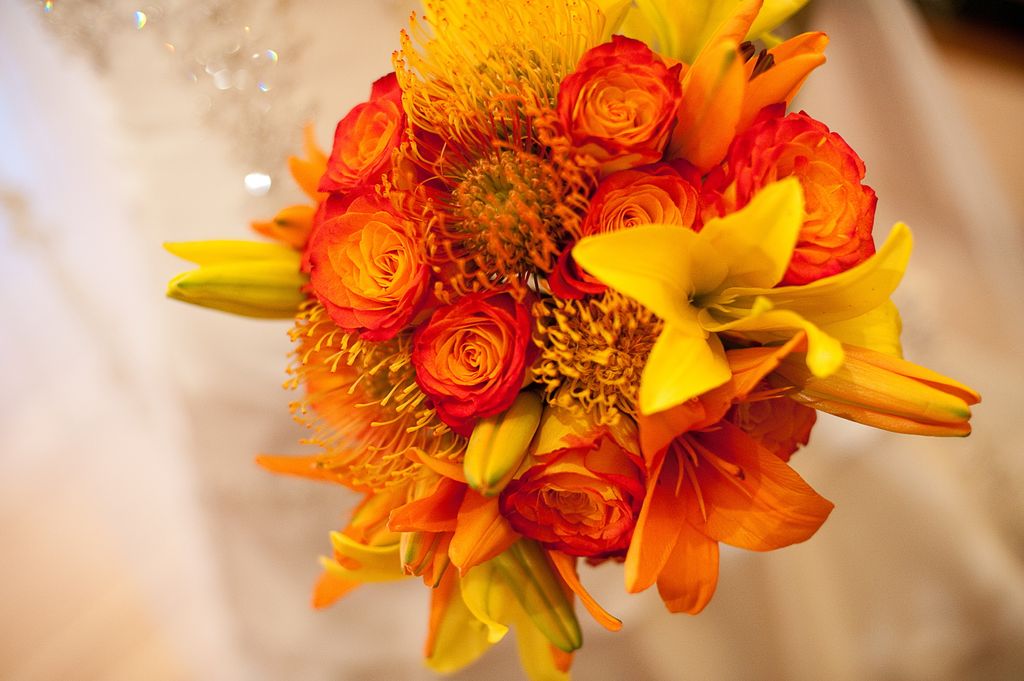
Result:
[504,215]
[593,352]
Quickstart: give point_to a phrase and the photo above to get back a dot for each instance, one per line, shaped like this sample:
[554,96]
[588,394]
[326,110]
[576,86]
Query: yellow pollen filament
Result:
[363,405]
[593,352]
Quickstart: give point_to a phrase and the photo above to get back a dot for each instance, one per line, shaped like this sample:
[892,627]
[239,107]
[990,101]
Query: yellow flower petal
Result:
[487,598]
[683,364]
[773,13]
[222,251]
[765,325]
[878,329]
[656,265]
[249,278]
[457,637]
[759,239]
[535,652]
[375,563]
[843,296]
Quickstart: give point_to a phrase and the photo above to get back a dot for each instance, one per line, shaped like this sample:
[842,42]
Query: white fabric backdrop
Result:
[143,543]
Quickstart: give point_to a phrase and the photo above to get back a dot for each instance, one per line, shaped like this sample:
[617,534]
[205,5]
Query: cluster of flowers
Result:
[564,296]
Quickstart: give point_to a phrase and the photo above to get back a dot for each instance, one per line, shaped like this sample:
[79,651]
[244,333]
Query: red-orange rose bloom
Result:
[657,194]
[840,208]
[368,267]
[471,357]
[365,139]
[620,103]
[583,495]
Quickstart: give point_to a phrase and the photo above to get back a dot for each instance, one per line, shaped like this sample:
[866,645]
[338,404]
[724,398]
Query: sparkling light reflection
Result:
[257,184]
[140,19]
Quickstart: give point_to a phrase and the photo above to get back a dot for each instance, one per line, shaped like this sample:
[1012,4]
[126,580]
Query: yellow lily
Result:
[722,280]
[680,30]
[248,278]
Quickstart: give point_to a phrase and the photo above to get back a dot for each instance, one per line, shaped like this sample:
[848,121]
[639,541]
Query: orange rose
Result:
[471,357]
[619,105]
[659,194]
[583,493]
[367,267]
[778,424]
[840,208]
[365,139]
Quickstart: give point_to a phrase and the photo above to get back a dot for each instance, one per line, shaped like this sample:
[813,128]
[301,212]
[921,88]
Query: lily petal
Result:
[794,61]
[486,596]
[656,265]
[713,91]
[758,240]
[682,365]
[824,353]
[752,498]
[375,563]
[566,567]
[878,329]
[657,528]
[886,392]
[481,532]
[455,636]
[843,296]
[689,579]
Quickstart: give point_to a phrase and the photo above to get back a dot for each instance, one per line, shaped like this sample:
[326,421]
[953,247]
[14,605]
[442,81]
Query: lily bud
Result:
[529,576]
[884,392]
[499,443]
[247,278]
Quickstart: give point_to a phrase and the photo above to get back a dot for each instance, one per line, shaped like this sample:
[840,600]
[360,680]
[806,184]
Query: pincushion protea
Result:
[573,285]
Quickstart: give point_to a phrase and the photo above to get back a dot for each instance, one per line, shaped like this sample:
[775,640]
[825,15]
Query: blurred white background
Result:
[141,541]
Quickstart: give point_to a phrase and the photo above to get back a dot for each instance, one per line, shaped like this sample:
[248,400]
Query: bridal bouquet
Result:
[572,288]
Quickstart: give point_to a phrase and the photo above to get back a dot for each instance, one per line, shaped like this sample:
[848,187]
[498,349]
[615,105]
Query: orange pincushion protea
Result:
[566,295]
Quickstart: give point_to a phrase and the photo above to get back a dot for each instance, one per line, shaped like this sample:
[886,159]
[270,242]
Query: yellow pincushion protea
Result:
[574,285]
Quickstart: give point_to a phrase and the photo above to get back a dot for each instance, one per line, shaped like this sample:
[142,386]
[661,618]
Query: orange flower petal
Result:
[713,91]
[481,532]
[434,513]
[689,579]
[750,365]
[329,588]
[658,430]
[657,529]
[566,566]
[753,499]
[794,61]
[308,171]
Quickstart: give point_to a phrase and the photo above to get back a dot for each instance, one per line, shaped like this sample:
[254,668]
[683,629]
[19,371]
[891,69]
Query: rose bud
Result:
[368,268]
[365,139]
[583,492]
[471,357]
[619,105]
[840,209]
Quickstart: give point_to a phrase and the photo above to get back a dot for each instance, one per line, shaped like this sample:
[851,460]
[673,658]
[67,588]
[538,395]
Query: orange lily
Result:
[722,92]
[710,482]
